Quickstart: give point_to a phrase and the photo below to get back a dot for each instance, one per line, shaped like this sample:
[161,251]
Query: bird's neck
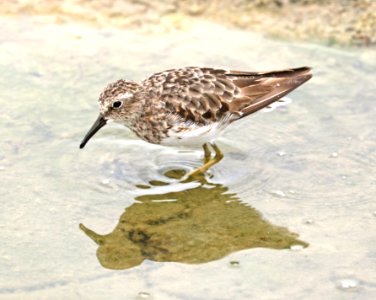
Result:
[135,109]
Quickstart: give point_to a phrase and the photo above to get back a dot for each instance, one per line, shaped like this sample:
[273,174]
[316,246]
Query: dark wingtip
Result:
[302,71]
[305,70]
[82,145]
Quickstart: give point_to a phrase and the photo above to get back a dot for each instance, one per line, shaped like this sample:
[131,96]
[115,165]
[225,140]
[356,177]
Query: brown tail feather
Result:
[259,90]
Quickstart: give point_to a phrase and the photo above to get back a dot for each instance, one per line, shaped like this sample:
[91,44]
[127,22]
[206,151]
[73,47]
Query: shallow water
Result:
[305,169]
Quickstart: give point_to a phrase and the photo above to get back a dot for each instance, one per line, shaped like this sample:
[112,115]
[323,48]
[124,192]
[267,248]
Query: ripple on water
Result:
[309,173]
[144,169]
[136,169]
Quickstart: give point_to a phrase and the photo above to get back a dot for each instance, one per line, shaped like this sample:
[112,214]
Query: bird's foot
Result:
[209,161]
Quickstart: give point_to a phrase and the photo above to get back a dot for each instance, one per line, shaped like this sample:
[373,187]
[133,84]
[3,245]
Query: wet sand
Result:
[336,22]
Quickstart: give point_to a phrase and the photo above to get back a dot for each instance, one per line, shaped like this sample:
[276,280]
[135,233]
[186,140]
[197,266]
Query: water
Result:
[292,201]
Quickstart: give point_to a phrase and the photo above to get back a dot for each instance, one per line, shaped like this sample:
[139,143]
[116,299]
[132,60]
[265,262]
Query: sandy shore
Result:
[337,22]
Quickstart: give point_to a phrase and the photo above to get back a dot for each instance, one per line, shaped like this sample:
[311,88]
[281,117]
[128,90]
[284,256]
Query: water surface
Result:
[305,172]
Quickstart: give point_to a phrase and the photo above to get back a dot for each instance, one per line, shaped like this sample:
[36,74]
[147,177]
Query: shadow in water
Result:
[196,225]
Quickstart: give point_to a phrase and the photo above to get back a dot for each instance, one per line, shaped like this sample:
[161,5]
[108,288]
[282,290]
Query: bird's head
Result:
[116,103]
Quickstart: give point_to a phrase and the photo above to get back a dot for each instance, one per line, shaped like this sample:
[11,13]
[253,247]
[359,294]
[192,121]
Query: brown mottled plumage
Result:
[191,105]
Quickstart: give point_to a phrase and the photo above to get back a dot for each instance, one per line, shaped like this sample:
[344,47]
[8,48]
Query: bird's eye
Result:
[117,104]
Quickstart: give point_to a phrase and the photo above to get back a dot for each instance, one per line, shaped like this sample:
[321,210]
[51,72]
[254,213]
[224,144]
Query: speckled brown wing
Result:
[258,90]
[195,94]
[205,95]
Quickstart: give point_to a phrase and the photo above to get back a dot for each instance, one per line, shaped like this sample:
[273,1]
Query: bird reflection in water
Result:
[196,225]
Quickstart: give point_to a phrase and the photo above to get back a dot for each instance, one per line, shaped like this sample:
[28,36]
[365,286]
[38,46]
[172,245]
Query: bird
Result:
[191,106]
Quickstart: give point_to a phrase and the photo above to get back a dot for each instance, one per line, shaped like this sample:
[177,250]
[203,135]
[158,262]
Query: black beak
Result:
[98,124]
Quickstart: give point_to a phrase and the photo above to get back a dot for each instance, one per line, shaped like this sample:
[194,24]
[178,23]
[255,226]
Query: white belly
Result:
[193,135]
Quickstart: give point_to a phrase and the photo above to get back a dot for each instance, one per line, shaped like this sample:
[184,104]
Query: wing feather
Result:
[204,95]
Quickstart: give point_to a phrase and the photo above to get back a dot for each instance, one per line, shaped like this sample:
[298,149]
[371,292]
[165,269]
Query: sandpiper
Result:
[192,105]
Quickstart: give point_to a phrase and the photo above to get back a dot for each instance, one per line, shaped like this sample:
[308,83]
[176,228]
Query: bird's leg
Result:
[207,153]
[218,153]
[208,160]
